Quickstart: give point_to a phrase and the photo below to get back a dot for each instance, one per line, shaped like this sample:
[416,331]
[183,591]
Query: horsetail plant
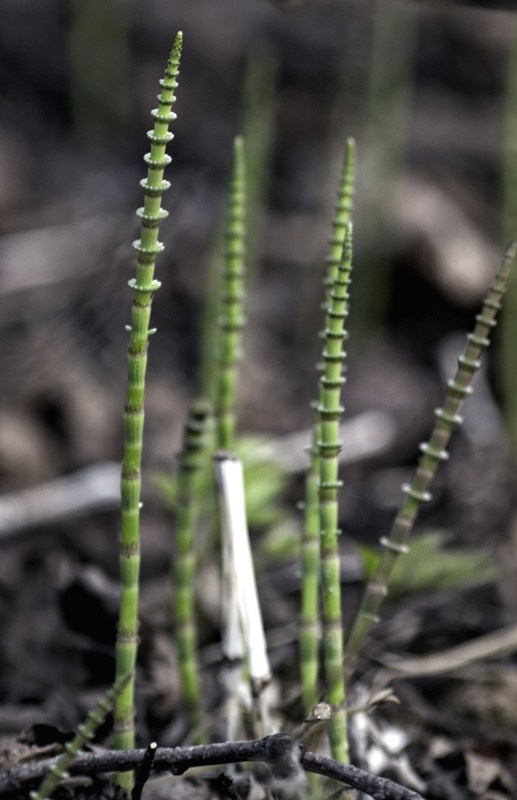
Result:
[231,317]
[260,94]
[432,452]
[329,446]
[508,334]
[143,286]
[309,623]
[85,732]
[190,475]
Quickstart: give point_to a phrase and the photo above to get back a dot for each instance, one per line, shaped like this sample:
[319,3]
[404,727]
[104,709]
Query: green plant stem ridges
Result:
[432,453]
[508,333]
[258,127]
[190,475]
[84,733]
[143,286]
[309,627]
[330,411]
[231,317]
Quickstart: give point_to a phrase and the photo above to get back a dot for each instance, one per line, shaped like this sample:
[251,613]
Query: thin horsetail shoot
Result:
[231,315]
[143,287]
[85,732]
[433,452]
[310,555]
[190,474]
[329,446]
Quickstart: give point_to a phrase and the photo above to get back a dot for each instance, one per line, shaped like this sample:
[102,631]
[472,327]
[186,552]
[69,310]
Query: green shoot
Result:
[329,445]
[84,733]
[190,474]
[309,628]
[100,67]
[509,315]
[231,320]
[417,492]
[258,127]
[143,286]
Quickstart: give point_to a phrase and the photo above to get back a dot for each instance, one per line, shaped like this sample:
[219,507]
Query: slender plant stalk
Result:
[209,331]
[329,446]
[309,618]
[309,628]
[231,319]
[85,732]
[144,286]
[190,474]
[508,334]
[260,94]
[98,36]
[395,31]
[417,492]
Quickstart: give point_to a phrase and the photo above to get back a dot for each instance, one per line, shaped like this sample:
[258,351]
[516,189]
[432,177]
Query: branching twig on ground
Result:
[285,757]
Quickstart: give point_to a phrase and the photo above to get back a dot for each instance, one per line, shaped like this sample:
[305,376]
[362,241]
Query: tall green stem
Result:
[258,127]
[143,286]
[392,55]
[329,446]
[508,335]
[190,474]
[100,83]
[417,492]
[309,627]
[231,319]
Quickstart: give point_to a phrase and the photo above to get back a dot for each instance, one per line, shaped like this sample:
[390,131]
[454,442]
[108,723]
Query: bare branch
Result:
[286,758]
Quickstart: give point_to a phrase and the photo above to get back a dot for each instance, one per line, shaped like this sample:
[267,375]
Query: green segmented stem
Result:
[329,446]
[417,492]
[343,213]
[508,332]
[144,286]
[84,733]
[260,94]
[310,558]
[231,318]
[309,627]
[190,474]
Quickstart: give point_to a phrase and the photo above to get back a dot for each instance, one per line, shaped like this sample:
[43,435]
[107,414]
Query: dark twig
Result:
[144,770]
[285,757]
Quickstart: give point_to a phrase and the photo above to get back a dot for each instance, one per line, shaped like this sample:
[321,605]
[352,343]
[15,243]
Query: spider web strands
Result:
[310,551]
[244,640]
[143,286]
[433,452]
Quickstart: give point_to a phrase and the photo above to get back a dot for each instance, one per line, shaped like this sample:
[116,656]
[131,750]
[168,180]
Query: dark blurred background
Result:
[422,86]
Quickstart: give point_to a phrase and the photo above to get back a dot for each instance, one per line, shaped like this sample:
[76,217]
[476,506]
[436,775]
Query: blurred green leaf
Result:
[431,564]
